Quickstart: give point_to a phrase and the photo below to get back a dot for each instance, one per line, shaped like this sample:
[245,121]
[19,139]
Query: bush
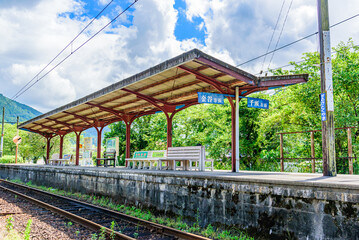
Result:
[7,159]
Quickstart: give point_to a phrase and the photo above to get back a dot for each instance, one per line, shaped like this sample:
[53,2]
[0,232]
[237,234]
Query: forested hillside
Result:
[14,109]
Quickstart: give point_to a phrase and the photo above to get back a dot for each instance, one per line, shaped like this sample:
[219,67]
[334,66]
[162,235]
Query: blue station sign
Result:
[257,103]
[323,110]
[212,98]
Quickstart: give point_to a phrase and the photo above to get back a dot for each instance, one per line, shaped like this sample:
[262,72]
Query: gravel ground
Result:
[45,225]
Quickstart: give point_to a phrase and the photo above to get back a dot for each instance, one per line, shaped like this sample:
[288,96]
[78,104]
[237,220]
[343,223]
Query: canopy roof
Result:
[166,87]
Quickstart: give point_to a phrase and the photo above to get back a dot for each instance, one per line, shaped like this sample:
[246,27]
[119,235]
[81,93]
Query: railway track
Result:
[97,218]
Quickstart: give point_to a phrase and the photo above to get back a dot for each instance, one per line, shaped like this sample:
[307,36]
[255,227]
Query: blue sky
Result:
[152,31]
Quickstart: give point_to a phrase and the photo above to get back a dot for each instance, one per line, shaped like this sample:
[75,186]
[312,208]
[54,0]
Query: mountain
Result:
[14,109]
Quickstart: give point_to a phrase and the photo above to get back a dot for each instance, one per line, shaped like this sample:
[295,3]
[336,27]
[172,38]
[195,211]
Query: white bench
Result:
[55,160]
[145,159]
[191,158]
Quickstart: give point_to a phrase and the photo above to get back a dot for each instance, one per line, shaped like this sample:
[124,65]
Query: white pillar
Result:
[237,129]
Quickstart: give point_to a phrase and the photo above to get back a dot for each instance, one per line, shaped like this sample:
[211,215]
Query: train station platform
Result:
[307,206]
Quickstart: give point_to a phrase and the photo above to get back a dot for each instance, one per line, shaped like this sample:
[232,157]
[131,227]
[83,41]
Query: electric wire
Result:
[280,35]
[63,60]
[275,28]
[70,43]
[296,41]
[296,62]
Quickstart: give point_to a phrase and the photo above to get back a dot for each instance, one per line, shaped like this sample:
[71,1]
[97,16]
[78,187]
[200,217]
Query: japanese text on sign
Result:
[257,103]
[213,98]
[323,111]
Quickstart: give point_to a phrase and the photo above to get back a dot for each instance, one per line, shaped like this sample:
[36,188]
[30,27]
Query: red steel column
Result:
[128,141]
[61,145]
[169,131]
[48,141]
[350,150]
[281,153]
[78,134]
[233,137]
[99,132]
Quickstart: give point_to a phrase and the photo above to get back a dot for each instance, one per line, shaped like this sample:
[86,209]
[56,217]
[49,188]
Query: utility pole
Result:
[2,132]
[327,102]
[17,134]
[237,128]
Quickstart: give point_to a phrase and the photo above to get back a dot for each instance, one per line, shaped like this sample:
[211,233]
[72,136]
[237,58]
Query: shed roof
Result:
[169,85]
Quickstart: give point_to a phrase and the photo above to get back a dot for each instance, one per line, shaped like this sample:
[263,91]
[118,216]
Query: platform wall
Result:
[271,208]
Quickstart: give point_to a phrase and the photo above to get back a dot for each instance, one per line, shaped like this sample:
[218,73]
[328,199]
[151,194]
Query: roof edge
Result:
[175,61]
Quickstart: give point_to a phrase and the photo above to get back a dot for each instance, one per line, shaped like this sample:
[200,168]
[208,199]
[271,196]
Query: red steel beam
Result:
[61,123]
[225,70]
[212,81]
[44,126]
[85,119]
[106,109]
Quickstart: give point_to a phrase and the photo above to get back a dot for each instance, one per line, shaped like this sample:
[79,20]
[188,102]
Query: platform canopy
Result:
[169,87]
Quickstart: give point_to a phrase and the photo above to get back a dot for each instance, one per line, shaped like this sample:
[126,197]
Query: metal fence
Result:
[345,165]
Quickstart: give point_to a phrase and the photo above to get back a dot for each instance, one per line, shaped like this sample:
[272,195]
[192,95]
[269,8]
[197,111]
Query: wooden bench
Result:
[145,159]
[190,158]
[108,157]
[65,160]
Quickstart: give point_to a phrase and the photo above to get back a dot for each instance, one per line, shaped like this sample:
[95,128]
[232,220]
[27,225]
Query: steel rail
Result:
[82,221]
[161,229]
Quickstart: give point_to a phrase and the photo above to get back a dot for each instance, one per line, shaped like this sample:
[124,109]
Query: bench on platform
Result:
[108,157]
[56,160]
[191,158]
[145,159]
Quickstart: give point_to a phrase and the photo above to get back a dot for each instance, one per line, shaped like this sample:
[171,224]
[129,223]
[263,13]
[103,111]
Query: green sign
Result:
[140,155]
[158,154]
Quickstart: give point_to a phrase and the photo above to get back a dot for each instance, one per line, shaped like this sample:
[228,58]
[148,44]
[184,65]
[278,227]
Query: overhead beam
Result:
[85,119]
[109,110]
[243,76]
[202,77]
[46,127]
[275,81]
[60,122]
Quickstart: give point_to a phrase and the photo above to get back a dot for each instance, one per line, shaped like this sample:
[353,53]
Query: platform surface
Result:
[303,179]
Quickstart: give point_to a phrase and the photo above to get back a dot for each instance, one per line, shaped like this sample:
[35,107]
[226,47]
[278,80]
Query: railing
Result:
[345,165]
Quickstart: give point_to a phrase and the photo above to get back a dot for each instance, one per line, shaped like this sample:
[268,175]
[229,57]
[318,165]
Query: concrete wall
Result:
[273,209]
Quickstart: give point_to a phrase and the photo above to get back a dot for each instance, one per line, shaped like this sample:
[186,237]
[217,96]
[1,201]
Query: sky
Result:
[33,32]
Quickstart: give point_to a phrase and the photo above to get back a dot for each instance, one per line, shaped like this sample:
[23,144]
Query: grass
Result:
[174,222]
[7,159]
[9,233]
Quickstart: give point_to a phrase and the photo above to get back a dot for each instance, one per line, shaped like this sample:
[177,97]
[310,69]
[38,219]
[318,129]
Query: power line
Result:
[275,28]
[70,43]
[301,39]
[281,31]
[291,64]
[114,19]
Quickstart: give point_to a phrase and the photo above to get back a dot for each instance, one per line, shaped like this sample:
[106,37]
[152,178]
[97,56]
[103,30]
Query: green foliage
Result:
[15,109]
[32,146]
[112,234]
[9,223]
[297,107]
[7,159]
[28,230]
[102,235]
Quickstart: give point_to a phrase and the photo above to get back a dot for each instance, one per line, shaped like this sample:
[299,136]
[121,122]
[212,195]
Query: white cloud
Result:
[33,32]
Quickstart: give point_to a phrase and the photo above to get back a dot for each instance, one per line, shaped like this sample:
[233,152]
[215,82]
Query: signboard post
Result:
[257,103]
[323,110]
[212,98]
[87,147]
[17,141]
